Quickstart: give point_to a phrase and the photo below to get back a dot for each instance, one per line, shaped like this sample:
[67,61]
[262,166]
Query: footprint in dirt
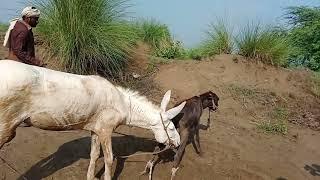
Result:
[314,169]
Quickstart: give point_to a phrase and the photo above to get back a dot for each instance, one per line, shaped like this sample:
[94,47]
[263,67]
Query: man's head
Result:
[30,15]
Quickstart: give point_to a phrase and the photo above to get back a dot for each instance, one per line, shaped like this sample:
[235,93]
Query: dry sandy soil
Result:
[234,148]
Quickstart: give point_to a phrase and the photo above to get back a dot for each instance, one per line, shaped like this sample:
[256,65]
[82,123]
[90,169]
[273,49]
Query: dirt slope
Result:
[233,148]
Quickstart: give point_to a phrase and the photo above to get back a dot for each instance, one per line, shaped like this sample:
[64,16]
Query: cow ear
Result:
[165,101]
[171,113]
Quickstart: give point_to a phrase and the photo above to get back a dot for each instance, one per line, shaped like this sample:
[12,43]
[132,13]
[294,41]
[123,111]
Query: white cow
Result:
[54,100]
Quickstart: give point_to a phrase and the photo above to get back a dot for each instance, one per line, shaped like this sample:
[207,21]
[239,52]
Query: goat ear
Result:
[165,100]
[171,113]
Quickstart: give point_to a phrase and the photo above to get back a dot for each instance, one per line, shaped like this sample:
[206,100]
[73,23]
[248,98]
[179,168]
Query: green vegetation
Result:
[153,33]
[87,36]
[299,45]
[3,27]
[268,45]
[159,38]
[94,37]
[304,35]
[194,53]
[264,44]
[219,40]
[278,124]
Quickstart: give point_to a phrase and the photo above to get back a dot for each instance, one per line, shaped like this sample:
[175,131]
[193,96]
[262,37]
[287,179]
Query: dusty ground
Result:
[233,148]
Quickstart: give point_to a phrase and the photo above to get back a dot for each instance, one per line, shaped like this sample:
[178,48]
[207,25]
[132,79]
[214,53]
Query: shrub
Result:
[304,35]
[171,51]
[218,40]
[194,53]
[89,36]
[153,33]
[264,44]
[159,38]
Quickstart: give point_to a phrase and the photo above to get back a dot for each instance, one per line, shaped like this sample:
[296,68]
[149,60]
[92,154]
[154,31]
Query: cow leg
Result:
[178,156]
[94,155]
[105,139]
[7,132]
[6,137]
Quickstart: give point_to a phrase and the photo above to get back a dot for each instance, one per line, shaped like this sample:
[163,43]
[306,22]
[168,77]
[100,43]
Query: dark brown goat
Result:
[188,125]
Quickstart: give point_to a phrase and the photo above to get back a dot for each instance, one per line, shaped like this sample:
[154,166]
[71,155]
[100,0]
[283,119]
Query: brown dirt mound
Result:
[251,82]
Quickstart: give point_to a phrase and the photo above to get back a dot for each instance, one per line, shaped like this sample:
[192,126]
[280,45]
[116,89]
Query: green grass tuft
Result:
[264,44]
[219,40]
[155,34]
[88,37]
[278,124]
[159,38]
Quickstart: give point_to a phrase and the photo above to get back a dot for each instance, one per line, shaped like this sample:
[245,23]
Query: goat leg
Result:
[149,166]
[173,172]
[150,163]
[178,156]
[209,121]
[197,141]
[151,170]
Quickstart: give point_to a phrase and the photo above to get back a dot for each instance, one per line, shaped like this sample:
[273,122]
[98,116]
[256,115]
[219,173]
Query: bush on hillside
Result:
[218,41]
[264,44]
[304,35]
[88,37]
[159,38]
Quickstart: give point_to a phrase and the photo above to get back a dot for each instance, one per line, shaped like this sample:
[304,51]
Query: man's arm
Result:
[18,40]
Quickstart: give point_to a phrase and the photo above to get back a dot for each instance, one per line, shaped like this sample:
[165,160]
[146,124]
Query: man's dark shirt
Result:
[22,44]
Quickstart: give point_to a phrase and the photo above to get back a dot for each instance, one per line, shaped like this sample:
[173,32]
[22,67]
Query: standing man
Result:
[19,37]
[20,41]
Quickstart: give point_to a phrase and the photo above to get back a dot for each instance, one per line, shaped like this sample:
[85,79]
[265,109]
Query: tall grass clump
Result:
[153,33]
[159,38]
[218,41]
[88,36]
[264,44]
[194,53]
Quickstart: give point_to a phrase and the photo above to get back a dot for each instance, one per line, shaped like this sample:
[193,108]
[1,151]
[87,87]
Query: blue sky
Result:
[189,19]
